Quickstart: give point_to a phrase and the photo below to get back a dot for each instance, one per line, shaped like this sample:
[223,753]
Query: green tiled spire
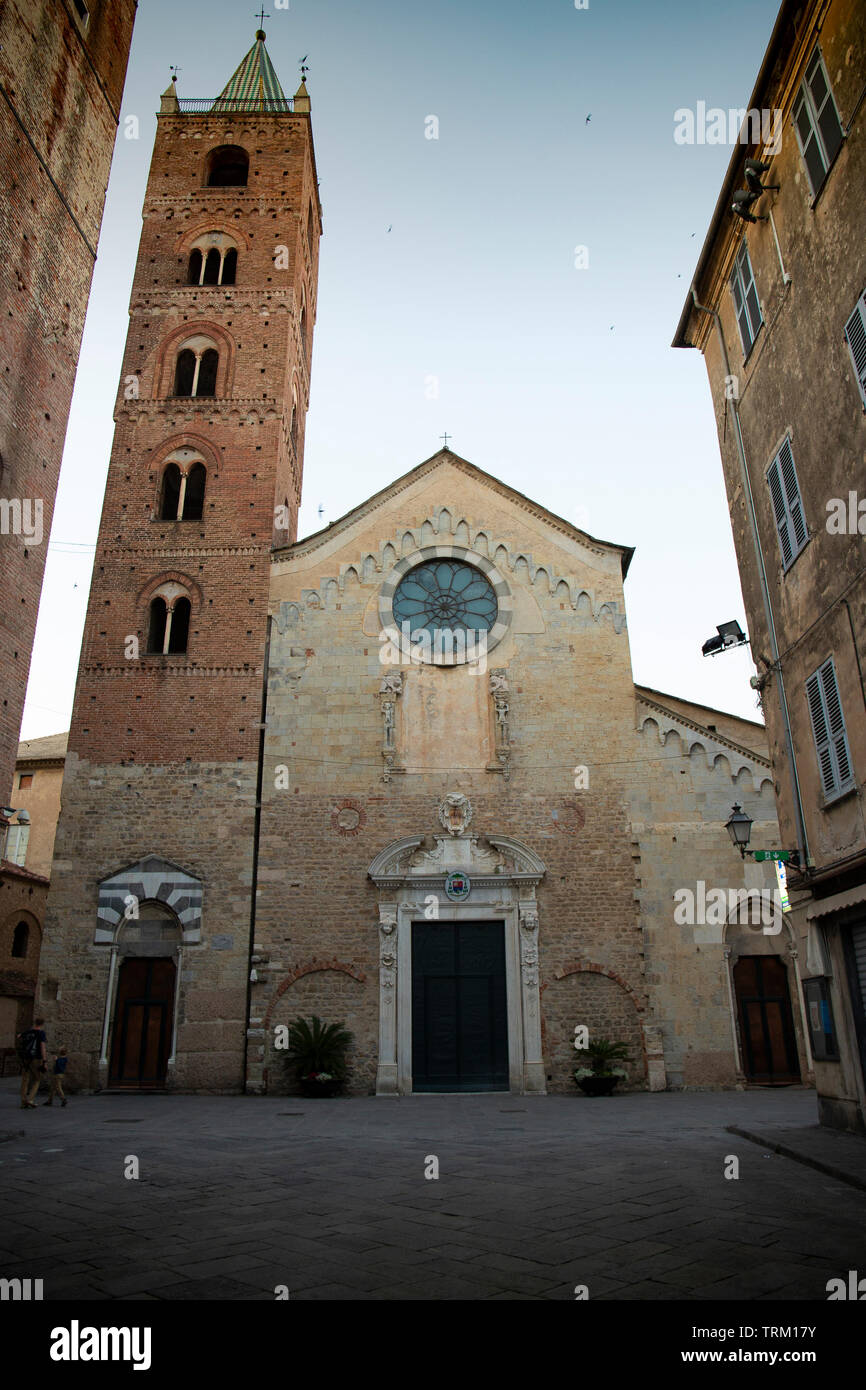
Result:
[254,80]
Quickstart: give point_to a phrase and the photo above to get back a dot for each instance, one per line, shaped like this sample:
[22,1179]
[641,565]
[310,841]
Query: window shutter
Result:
[792,495]
[819,729]
[828,728]
[778,497]
[855,336]
[825,109]
[836,723]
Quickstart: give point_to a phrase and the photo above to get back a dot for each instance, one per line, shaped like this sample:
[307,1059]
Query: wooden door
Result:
[142,1022]
[766,1023]
[459,1011]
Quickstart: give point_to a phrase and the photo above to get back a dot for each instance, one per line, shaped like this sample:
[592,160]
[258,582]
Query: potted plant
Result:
[317,1051]
[601,1075]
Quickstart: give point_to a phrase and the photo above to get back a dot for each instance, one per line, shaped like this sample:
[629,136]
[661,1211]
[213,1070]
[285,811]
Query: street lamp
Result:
[739,827]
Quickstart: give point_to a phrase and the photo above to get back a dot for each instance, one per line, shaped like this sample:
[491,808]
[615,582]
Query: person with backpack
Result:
[57,1075]
[32,1051]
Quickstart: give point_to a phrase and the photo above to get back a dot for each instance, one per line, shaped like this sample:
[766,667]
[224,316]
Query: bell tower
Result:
[204,478]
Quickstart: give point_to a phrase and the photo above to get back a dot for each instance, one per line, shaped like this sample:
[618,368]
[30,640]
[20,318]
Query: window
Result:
[749,317]
[310,228]
[193,499]
[816,121]
[445,594]
[25,780]
[213,264]
[179,626]
[228,167]
[196,372]
[20,939]
[855,337]
[787,505]
[169,625]
[170,493]
[156,631]
[15,848]
[828,728]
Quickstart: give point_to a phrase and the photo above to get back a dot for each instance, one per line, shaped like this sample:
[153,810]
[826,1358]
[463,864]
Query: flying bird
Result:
[588,119]
[391,226]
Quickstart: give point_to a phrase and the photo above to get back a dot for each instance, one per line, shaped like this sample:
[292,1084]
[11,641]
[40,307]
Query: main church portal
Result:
[459,1007]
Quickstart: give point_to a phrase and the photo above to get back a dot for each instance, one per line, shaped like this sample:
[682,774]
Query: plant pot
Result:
[598,1085]
[326,1089]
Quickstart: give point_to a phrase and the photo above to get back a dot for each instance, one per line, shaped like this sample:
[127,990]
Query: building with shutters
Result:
[778,308]
[396,774]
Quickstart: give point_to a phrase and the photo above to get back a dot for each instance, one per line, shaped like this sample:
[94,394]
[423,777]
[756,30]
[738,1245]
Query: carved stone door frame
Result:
[503,875]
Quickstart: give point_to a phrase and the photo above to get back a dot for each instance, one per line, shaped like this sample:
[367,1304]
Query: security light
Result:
[729,635]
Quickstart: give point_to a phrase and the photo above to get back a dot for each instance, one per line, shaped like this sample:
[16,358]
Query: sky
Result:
[450,296]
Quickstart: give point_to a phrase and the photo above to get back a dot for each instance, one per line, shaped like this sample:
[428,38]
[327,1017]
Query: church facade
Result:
[396,774]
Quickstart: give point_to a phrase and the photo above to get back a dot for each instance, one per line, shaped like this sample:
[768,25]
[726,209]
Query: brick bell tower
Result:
[145,965]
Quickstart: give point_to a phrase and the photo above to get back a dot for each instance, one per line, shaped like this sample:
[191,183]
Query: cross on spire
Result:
[261,17]
[446,437]
[174,70]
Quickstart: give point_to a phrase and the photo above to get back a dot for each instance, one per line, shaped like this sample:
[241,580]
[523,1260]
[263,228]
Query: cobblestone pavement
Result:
[535,1195]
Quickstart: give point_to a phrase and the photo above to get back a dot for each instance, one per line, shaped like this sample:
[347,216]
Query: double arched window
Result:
[182,492]
[168,628]
[213,260]
[228,166]
[196,368]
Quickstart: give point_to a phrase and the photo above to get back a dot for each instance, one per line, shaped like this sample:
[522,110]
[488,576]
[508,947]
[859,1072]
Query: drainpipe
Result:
[799,820]
[254,884]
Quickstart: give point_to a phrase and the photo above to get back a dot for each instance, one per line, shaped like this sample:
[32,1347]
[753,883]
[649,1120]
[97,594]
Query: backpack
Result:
[28,1045]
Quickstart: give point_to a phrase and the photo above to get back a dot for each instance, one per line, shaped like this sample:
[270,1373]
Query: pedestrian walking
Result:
[32,1052]
[56,1078]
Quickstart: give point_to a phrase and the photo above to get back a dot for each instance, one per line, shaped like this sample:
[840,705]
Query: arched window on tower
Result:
[303,330]
[195,267]
[182,492]
[171,481]
[179,630]
[196,371]
[208,373]
[230,267]
[228,167]
[212,267]
[158,619]
[185,373]
[310,228]
[293,423]
[169,621]
[20,940]
[193,501]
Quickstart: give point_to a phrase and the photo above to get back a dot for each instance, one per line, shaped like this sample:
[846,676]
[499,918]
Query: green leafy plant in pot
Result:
[317,1053]
[602,1073]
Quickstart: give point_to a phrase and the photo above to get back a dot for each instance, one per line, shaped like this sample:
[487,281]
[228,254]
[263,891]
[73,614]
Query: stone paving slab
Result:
[626,1195]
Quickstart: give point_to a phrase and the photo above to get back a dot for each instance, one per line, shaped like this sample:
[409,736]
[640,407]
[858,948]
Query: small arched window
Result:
[193,501]
[293,423]
[196,372]
[185,373]
[20,940]
[212,267]
[171,480]
[303,328]
[179,630]
[195,267]
[228,166]
[208,373]
[158,619]
[230,267]
[310,228]
[169,622]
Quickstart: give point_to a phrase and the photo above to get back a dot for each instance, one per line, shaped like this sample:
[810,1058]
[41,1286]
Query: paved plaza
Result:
[535,1196]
